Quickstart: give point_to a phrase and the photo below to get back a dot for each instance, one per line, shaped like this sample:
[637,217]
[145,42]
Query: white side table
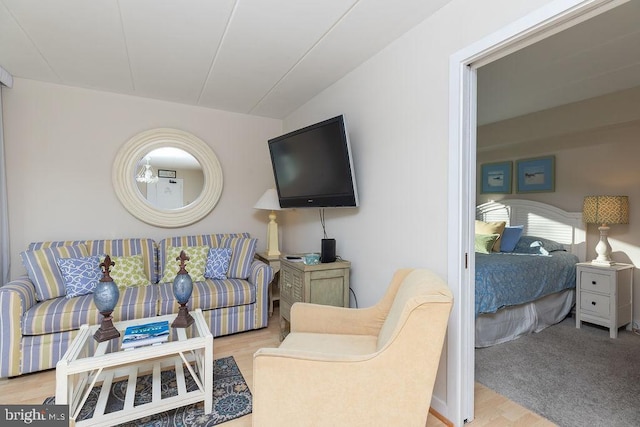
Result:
[604,295]
[274,288]
[87,363]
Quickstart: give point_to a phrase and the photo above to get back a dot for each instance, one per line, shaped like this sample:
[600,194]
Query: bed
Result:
[533,287]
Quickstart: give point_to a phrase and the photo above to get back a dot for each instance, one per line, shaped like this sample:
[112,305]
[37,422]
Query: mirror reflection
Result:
[169,178]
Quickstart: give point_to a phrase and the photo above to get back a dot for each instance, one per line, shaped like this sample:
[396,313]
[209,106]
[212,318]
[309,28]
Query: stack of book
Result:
[146,334]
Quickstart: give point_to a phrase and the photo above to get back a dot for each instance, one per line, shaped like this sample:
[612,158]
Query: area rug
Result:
[231,398]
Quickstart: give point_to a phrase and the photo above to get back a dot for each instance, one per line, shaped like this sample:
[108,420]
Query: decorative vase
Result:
[105,297]
[182,289]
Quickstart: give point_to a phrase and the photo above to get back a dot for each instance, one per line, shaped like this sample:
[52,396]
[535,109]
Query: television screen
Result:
[313,166]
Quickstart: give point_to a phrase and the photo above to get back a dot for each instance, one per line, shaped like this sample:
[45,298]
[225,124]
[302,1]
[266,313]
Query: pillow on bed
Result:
[496,227]
[510,237]
[484,242]
[537,245]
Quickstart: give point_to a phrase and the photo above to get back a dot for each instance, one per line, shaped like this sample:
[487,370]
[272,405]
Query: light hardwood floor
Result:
[491,409]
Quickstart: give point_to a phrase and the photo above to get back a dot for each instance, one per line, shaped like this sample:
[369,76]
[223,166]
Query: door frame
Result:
[544,22]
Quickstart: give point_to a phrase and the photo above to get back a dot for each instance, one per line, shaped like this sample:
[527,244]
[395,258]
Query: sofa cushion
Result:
[80,275]
[195,265]
[244,250]
[211,240]
[62,314]
[128,271]
[128,247]
[217,263]
[208,295]
[42,268]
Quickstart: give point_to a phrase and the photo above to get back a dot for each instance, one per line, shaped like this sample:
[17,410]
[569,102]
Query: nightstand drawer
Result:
[595,282]
[594,304]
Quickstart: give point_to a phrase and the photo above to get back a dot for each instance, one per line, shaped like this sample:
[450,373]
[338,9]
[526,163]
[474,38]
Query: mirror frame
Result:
[125,168]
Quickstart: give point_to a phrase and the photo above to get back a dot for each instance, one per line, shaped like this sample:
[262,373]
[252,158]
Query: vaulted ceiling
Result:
[261,57]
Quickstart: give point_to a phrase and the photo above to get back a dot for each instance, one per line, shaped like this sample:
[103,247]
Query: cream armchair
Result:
[357,367]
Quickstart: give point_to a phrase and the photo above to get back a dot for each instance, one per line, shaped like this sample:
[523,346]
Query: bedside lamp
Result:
[604,210]
[269,201]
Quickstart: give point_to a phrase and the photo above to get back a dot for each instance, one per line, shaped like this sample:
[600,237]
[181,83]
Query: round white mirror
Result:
[150,168]
[169,178]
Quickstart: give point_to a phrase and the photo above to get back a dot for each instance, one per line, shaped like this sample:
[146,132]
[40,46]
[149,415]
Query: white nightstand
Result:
[604,295]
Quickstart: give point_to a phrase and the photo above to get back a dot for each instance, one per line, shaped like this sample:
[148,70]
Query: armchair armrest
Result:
[16,297]
[306,317]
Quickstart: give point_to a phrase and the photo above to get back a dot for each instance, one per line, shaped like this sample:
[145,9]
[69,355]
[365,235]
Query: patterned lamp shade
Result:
[606,210]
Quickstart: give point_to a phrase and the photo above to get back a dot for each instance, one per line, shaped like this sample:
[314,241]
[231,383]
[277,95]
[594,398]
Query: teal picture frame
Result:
[496,178]
[536,175]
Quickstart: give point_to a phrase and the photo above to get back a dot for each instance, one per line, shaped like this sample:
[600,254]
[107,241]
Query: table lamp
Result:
[605,210]
[269,201]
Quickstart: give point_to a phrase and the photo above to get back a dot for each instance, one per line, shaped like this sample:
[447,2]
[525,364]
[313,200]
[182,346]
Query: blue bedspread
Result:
[504,279]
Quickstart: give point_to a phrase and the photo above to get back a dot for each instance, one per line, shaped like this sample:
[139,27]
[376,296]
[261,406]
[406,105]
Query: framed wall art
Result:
[164,173]
[496,177]
[536,175]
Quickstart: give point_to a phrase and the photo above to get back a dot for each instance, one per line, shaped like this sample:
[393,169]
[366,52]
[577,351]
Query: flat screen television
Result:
[313,166]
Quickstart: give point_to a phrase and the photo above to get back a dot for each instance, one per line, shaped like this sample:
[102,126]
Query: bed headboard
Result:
[539,219]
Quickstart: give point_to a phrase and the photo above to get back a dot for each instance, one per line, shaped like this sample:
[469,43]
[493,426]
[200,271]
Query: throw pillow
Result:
[510,237]
[217,263]
[195,266]
[496,227]
[484,242]
[80,275]
[43,270]
[244,249]
[128,271]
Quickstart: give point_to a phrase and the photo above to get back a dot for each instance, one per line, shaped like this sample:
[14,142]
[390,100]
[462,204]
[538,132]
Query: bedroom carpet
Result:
[573,377]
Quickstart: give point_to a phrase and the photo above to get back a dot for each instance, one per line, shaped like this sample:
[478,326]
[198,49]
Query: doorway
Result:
[545,22]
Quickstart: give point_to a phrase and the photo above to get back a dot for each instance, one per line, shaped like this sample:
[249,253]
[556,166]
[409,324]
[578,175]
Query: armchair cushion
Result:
[352,345]
[42,268]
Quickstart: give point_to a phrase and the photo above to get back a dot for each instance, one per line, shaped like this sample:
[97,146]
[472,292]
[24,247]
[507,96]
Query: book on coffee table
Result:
[146,334]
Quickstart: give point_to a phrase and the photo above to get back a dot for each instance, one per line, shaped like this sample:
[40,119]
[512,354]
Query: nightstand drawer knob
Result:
[593,282]
[593,303]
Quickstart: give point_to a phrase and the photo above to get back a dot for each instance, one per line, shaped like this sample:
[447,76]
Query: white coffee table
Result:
[88,363]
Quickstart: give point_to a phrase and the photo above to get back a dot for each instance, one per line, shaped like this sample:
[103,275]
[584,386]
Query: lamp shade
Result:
[269,201]
[606,210]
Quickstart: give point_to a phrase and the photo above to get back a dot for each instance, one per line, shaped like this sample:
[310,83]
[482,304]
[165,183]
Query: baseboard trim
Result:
[441,417]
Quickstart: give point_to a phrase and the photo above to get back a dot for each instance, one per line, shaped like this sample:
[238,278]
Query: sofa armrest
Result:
[326,319]
[16,297]
[260,276]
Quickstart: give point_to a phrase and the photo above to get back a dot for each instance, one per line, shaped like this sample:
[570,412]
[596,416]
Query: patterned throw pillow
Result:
[80,275]
[217,263]
[128,271]
[244,250]
[195,266]
[43,270]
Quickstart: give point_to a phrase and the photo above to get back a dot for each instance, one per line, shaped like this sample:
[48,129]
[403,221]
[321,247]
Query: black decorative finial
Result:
[106,269]
[182,258]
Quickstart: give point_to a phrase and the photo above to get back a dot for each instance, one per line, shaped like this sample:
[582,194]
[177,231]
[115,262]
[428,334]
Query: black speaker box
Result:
[328,252]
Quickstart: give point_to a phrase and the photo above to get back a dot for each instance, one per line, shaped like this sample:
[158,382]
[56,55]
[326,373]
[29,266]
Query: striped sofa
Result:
[37,326]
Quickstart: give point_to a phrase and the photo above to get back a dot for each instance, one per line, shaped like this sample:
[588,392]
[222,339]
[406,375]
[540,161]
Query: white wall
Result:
[60,146]
[396,107]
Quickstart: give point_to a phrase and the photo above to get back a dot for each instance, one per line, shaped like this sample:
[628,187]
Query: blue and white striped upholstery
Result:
[34,334]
